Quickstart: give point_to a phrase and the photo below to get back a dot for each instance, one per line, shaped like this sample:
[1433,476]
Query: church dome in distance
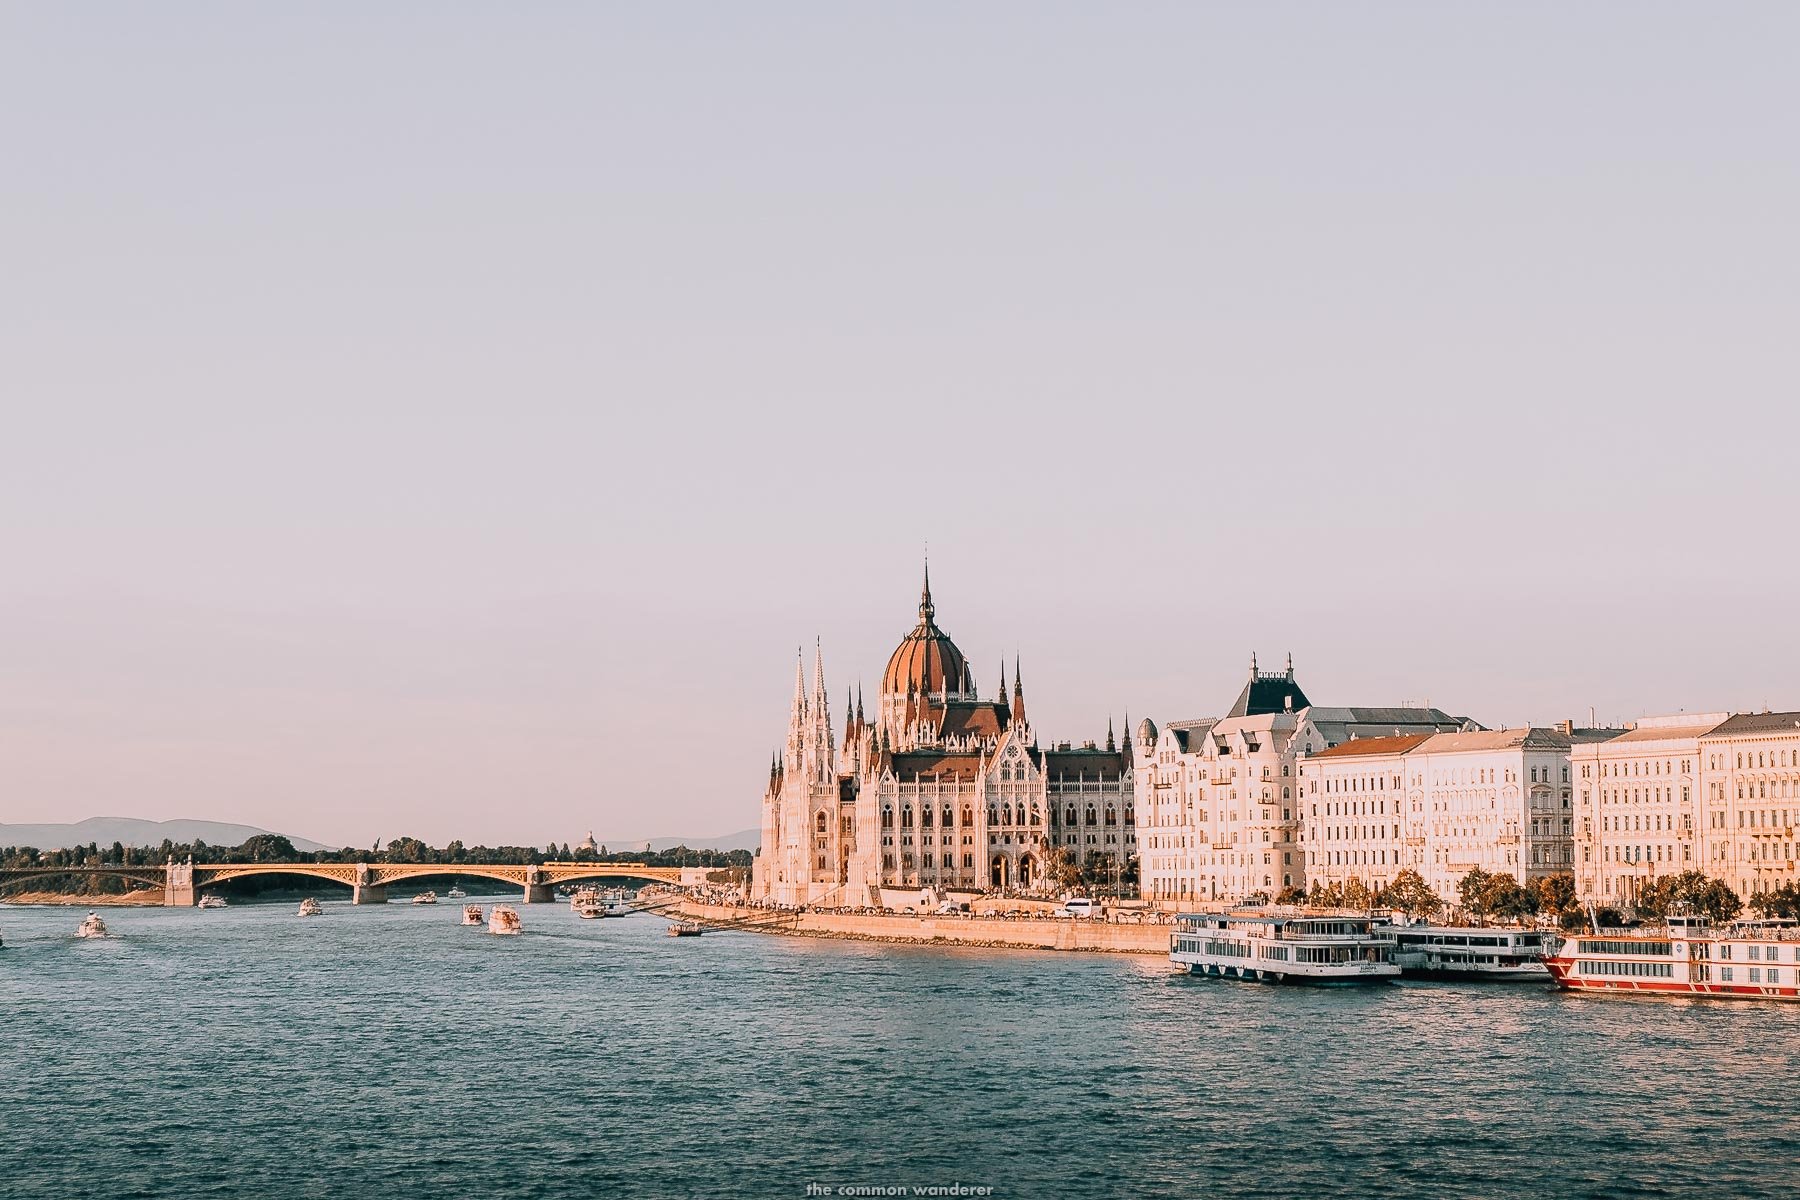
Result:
[1146,730]
[926,659]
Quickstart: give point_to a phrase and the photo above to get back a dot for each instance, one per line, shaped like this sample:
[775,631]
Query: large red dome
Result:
[926,659]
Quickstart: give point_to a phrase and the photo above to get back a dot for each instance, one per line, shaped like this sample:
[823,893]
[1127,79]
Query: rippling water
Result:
[390,1052]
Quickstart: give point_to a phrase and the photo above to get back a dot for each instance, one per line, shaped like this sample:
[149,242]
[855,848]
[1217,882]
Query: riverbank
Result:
[1001,933]
[146,898]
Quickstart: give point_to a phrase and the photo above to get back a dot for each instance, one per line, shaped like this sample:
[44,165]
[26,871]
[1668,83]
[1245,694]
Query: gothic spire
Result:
[1110,745]
[799,713]
[926,609]
[1018,704]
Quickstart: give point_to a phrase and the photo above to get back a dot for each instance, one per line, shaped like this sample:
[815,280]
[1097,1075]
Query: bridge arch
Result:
[595,872]
[338,873]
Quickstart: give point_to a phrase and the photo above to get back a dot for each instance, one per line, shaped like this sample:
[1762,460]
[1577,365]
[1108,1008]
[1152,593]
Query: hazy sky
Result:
[448,420]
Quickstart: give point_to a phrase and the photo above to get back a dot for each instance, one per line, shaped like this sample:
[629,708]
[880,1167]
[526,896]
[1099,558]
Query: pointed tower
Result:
[1111,746]
[1018,697]
[796,738]
[821,746]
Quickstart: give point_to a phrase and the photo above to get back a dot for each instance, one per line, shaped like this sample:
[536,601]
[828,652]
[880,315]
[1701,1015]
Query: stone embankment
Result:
[1013,933]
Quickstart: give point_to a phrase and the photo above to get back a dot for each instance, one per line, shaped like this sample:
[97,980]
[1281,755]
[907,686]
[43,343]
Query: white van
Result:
[1078,906]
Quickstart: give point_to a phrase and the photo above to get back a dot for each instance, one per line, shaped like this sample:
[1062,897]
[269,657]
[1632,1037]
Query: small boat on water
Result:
[686,929]
[1275,946]
[589,910]
[309,908]
[616,903]
[505,920]
[425,898]
[455,893]
[1470,953]
[211,900]
[93,927]
[472,914]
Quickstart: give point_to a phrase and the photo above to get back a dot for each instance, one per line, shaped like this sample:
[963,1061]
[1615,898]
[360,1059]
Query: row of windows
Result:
[1651,970]
[1592,946]
[1640,767]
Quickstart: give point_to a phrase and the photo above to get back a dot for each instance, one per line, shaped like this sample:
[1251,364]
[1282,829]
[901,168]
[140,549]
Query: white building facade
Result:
[1500,800]
[1638,810]
[1221,796]
[1750,801]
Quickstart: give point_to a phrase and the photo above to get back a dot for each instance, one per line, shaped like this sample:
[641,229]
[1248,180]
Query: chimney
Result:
[1566,727]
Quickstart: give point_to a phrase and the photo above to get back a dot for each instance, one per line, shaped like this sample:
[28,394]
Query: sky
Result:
[449,420]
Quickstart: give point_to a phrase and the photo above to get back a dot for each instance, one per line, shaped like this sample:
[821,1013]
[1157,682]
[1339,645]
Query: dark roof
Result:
[923,764]
[1758,723]
[974,718]
[1269,692]
[1093,764]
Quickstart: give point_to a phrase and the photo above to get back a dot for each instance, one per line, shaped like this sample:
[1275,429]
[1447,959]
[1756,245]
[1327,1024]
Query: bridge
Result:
[183,882]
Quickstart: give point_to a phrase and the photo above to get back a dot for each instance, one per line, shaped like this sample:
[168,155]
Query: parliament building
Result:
[937,790]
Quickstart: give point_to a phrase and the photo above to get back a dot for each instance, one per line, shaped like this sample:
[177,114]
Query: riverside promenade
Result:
[1127,936]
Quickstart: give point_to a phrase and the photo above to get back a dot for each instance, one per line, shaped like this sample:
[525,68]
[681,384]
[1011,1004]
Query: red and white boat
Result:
[1750,961]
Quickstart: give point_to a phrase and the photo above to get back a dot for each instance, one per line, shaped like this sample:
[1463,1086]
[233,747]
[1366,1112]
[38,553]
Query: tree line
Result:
[274,848]
[1484,895]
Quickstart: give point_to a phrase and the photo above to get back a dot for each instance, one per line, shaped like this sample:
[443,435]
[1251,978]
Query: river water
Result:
[389,1052]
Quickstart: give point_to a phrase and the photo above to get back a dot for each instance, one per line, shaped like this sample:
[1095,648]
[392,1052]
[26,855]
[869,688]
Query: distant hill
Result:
[748,839]
[104,831]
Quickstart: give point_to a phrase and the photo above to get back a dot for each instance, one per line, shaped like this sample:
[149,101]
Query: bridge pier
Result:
[539,893]
[178,885]
[368,893]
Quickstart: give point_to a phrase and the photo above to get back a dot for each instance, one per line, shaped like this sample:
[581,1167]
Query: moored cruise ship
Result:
[1473,953]
[1272,947]
[1688,958]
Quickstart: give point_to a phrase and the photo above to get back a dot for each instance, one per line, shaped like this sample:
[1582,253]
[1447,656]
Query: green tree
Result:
[1410,894]
[1472,891]
[1503,897]
[1062,870]
[268,847]
[1553,894]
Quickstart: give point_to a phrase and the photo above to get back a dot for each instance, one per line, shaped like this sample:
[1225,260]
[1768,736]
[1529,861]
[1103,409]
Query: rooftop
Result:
[1368,747]
[1768,722]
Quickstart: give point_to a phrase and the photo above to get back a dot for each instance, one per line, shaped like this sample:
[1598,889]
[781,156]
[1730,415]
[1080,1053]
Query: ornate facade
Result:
[941,790]
[1224,819]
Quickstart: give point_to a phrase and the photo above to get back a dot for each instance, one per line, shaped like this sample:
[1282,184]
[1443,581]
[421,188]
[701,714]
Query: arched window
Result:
[887,817]
[949,816]
[925,816]
[906,816]
[993,815]
[820,823]
[1093,818]
[968,815]
[1072,819]
[1112,816]
[1034,815]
